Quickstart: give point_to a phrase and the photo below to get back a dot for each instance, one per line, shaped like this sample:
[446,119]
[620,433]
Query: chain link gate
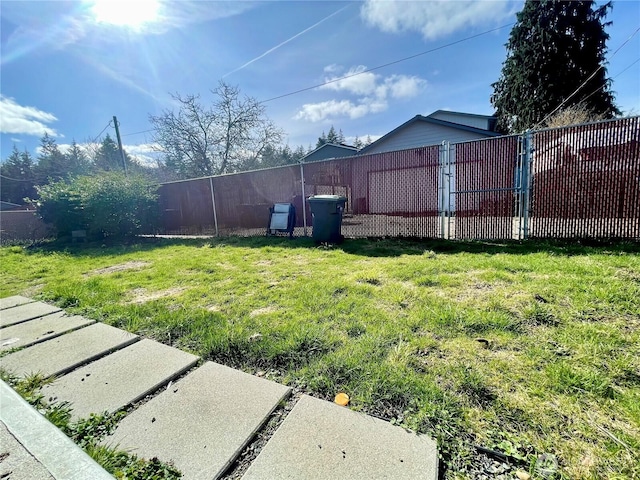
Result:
[484,189]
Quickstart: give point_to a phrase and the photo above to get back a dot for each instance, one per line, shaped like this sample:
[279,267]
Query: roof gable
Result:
[330,150]
[461,114]
[431,121]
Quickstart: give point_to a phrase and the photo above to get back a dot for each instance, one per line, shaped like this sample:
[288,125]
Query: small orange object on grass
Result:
[342,399]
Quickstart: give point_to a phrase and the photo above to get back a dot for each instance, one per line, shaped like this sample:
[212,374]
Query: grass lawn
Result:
[524,349]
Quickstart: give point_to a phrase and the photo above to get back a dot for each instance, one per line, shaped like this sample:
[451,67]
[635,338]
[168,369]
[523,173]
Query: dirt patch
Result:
[263,311]
[214,308]
[33,290]
[264,263]
[141,295]
[476,291]
[118,268]
[226,266]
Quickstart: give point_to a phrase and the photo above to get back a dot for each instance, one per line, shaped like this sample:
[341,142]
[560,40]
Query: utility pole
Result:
[124,162]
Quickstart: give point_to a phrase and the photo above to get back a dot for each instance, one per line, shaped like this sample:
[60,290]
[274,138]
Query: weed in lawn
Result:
[471,384]
[537,314]
[27,387]
[573,379]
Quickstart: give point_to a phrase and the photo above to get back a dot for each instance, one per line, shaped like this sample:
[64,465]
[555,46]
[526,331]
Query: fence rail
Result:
[580,181]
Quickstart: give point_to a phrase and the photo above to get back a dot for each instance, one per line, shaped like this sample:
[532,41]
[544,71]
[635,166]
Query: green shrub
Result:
[61,206]
[105,205]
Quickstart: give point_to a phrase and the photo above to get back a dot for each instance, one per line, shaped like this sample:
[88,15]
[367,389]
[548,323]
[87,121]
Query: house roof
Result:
[9,206]
[349,150]
[433,121]
[475,115]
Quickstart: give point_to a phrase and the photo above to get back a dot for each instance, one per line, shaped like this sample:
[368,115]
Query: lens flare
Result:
[132,13]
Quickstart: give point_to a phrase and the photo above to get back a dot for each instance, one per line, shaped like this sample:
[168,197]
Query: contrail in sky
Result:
[285,42]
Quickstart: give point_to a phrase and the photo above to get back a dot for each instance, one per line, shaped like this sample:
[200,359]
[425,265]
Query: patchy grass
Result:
[525,349]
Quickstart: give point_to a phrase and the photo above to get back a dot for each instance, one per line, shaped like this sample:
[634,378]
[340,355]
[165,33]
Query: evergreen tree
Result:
[321,140]
[299,152]
[553,48]
[18,179]
[357,143]
[108,156]
[52,165]
[77,161]
[333,136]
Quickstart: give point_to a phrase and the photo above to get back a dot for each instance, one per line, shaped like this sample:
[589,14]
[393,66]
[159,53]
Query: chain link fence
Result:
[580,181]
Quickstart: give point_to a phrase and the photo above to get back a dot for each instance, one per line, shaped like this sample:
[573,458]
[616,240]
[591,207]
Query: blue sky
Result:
[68,67]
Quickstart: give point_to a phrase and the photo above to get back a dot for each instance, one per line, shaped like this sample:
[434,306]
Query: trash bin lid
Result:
[327,198]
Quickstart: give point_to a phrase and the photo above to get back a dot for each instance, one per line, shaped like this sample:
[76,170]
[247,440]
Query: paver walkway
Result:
[203,420]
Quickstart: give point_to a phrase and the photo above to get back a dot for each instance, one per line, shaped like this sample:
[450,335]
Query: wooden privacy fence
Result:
[580,181]
[17,225]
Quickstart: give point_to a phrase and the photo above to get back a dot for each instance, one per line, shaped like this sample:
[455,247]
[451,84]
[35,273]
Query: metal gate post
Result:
[213,203]
[451,159]
[524,180]
[304,205]
[442,160]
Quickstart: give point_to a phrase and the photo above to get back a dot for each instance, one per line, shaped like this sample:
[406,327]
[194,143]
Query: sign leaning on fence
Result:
[575,182]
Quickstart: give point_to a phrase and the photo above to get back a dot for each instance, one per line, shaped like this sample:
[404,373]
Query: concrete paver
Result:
[52,449]
[201,422]
[66,352]
[321,440]
[119,379]
[10,302]
[23,313]
[43,328]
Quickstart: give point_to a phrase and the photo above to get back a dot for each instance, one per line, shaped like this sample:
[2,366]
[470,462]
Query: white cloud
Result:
[333,68]
[434,19]
[357,82]
[16,118]
[316,112]
[145,153]
[402,86]
[373,92]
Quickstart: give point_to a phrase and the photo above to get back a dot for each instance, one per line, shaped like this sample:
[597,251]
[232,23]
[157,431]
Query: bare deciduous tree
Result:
[227,136]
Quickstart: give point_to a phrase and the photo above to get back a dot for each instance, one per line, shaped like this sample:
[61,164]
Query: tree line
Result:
[21,172]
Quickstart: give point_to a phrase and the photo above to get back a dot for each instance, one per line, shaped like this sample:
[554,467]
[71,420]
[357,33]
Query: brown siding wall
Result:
[22,225]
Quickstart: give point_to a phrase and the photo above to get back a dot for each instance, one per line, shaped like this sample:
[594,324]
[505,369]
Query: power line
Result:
[15,179]
[613,78]
[98,136]
[137,133]
[410,57]
[390,63]
[31,181]
[586,81]
[627,68]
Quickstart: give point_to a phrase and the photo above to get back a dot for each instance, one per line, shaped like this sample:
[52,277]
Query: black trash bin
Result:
[326,211]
